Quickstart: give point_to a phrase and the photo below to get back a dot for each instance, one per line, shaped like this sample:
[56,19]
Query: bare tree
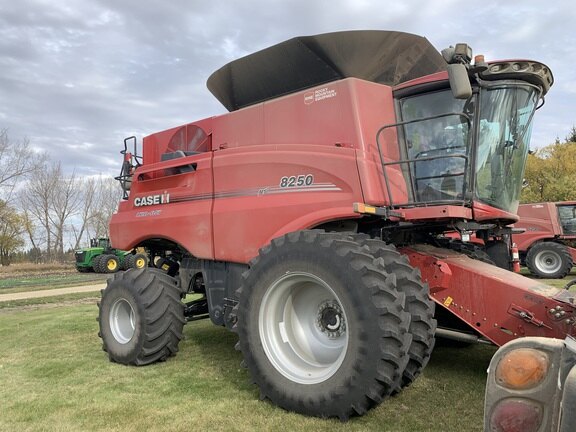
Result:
[89,194]
[36,200]
[107,198]
[17,160]
[65,203]
[30,229]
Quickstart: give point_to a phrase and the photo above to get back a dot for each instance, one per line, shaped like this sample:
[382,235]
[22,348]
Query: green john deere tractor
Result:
[101,257]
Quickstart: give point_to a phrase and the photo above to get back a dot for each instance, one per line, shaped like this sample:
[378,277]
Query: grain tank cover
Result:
[385,57]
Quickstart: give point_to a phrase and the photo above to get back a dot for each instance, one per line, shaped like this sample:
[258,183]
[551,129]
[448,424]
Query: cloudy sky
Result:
[77,76]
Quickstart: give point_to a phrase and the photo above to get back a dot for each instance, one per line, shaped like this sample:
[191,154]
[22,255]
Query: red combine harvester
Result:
[310,218]
[545,243]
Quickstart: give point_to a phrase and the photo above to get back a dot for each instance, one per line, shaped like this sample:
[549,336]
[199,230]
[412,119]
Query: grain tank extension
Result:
[310,219]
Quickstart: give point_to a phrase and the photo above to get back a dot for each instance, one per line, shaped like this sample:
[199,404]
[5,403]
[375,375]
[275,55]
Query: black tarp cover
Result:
[385,57]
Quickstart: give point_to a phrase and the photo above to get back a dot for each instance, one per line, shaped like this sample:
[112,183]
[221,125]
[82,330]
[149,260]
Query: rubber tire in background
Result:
[418,304]
[141,317]
[101,264]
[346,372]
[139,261]
[96,263]
[110,264]
[128,262]
[549,260]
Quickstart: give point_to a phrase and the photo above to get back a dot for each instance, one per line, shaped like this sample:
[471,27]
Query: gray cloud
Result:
[77,77]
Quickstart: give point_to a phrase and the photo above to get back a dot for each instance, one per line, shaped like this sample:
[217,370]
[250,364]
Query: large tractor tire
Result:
[549,260]
[109,264]
[141,317]
[418,304]
[322,325]
[96,263]
[128,262]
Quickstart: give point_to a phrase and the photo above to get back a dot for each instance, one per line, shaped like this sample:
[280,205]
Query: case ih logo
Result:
[152,200]
[318,95]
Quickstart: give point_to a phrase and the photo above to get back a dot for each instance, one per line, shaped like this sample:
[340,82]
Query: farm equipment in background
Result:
[546,245]
[101,257]
[310,220]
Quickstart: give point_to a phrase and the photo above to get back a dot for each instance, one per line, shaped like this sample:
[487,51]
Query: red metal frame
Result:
[498,304]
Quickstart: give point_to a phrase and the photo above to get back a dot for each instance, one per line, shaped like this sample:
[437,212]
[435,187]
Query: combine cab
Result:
[311,219]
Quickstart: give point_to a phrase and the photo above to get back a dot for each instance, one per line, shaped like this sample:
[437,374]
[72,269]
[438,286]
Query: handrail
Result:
[411,179]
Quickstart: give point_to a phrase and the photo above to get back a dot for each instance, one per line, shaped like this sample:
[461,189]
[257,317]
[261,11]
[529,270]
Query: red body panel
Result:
[186,219]
[253,149]
[541,222]
[499,304]
[483,212]
[252,205]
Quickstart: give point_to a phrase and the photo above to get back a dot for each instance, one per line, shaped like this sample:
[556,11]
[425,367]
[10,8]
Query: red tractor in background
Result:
[310,219]
[546,245]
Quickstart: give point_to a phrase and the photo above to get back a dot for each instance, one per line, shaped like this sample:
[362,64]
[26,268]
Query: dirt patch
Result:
[50,293]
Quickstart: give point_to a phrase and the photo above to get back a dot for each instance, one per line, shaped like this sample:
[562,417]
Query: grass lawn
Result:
[55,377]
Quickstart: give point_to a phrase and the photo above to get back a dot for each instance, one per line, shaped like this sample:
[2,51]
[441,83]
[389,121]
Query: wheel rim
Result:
[548,261]
[303,328]
[111,265]
[140,263]
[122,321]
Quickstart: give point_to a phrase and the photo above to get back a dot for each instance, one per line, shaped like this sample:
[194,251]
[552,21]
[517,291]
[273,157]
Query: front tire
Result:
[322,326]
[141,317]
[96,263]
[418,304]
[549,260]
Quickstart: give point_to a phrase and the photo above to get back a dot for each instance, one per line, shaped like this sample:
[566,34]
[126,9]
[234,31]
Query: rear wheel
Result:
[141,317]
[109,264]
[139,261]
[322,325]
[549,260]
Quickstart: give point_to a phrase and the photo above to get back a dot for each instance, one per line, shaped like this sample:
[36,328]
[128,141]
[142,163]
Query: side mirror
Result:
[459,81]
